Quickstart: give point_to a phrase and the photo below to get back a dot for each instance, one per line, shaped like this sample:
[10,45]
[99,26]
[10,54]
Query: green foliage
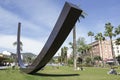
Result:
[70,61]
[98,58]
[117,41]
[52,61]
[10,60]
[59,59]
[71,44]
[82,47]
[109,30]
[109,33]
[118,59]
[99,37]
[21,45]
[80,60]
[64,54]
[88,60]
[90,33]
[117,30]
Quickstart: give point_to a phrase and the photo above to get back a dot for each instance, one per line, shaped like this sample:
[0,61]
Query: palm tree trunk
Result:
[91,50]
[74,47]
[113,55]
[102,53]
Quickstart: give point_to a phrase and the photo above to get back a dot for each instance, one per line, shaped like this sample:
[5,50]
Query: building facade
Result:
[116,49]
[103,49]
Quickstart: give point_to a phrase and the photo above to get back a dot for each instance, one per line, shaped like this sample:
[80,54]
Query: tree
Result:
[98,58]
[71,60]
[91,34]
[74,47]
[71,45]
[79,46]
[117,41]
[74,40]
[118,59]
[80,61]
[117,31]
[100,38]
[64,54]
[21,44]
[109,33]
[88,61]
[82,47]
[29,60]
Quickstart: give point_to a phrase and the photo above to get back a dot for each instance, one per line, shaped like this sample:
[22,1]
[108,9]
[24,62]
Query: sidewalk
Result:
[3,67]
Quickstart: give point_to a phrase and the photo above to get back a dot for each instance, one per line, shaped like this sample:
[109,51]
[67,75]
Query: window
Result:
[118,51]
[113,47]
[117,47]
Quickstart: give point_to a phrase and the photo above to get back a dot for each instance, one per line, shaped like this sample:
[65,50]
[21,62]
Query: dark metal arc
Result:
[61,30]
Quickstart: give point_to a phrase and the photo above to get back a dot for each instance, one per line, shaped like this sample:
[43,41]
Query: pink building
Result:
[102,49]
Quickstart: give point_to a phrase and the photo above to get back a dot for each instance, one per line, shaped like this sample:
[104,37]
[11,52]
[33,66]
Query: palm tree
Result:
[71,45]
[117,31]
[100,38]
[21,45]
[97,58]
[64,54]
[117,41]
[74,40]
[81,46]
[74,47]
[91,34]
[109,33]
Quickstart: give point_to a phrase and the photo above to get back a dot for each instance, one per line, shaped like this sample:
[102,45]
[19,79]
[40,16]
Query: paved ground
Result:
[3,67]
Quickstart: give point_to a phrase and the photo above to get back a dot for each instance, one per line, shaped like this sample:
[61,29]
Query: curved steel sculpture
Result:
[61,30]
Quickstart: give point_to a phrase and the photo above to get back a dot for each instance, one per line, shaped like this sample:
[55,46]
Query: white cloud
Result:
[8,24]
[38,11]
[38,17]
[10,20]
[29,45]
[32,45]
[6,41]
[38,21]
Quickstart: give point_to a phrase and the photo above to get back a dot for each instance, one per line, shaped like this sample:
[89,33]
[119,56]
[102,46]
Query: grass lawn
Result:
[63,73]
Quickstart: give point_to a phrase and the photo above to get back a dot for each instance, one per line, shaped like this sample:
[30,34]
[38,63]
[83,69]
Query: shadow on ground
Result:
[55,75]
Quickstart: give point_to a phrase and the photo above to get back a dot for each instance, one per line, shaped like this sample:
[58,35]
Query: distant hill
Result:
[26,55]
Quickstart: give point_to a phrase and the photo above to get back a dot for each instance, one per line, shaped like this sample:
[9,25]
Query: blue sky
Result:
[38,18]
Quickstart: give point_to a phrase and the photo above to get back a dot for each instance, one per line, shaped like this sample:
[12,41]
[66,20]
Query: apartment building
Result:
[95,50]
[116,48]
[103,49]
